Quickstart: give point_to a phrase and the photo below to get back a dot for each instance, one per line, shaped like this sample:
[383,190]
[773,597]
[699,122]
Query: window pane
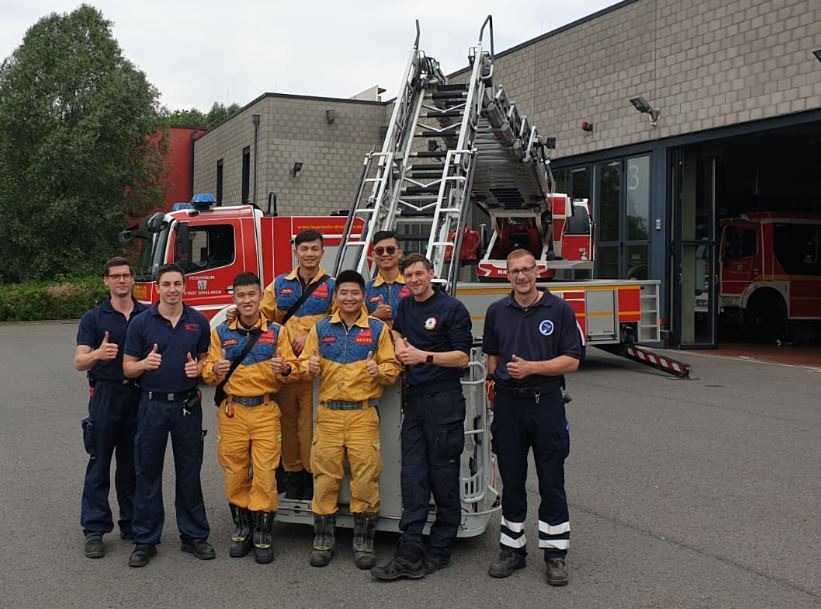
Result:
[607,263]
[212,246]
[740,243]
[560,177]
[636,262]
[638,197]
[580,183]
[609,186]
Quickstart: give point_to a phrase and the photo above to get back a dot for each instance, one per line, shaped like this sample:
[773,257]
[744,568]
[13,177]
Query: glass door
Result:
[693,271]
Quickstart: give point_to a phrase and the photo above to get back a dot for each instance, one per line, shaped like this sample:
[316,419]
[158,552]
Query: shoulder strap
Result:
[253,335]
[309,289]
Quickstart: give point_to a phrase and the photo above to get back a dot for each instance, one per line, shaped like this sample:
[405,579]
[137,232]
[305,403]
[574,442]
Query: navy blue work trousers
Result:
[519,425]
[433,437]
[109,431]
[156,420]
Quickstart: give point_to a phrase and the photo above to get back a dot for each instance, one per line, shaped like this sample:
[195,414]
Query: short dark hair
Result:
[381,235]
[349,276]
[309,234]
[246,279]
[412,259]
[171,267]
[117,261]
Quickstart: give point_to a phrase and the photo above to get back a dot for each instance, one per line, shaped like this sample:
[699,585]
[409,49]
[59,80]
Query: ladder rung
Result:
[453,87]
[444,114]
[442,133]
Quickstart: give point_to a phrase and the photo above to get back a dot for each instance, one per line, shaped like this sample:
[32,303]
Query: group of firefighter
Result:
[356,338]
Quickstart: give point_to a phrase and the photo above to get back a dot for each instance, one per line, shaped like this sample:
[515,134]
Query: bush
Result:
[65,299]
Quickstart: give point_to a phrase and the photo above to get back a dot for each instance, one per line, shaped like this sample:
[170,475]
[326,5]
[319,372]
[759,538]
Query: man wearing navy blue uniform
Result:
[433,340]
[531,340]
[112,408]
[160,349]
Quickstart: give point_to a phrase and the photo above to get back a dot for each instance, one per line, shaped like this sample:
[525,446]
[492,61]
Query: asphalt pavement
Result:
[683,493]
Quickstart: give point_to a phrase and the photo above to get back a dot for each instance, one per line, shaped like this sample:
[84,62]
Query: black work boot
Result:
[294,486]
[307,485]
[556,572]
[241,538]
[200,548]
[364,529]
[324,540]
[508,562]
[93,546]
[407,562]
[143,552]
[263,527]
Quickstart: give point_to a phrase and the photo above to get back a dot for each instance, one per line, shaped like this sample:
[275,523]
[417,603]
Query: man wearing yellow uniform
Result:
[249,360]
[353,355]
[283,302]
[383,294]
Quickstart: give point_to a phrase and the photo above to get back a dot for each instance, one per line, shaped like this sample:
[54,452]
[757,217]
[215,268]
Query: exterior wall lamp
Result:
[643,106]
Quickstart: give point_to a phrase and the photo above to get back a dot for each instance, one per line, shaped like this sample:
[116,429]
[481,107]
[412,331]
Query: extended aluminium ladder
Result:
[446,145]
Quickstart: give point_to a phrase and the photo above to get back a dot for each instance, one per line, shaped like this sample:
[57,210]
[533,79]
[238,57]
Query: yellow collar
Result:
[362,320]
[381,280]
[294,274]
[262,324]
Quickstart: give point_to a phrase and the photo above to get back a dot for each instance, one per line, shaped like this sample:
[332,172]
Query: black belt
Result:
[180,396]
[340,405]
[91,382]
[256,400]
[533,392]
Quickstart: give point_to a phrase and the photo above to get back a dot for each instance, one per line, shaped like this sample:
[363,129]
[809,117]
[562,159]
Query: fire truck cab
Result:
[771,271]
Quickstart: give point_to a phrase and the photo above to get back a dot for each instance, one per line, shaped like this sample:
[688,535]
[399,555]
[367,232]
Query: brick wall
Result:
[704,63]
[292,129]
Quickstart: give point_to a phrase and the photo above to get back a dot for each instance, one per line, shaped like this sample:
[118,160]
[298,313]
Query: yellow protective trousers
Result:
[249,439]
[357,433]
[296,403]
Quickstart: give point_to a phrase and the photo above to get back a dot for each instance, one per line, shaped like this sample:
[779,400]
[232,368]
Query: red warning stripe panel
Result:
[660,363]
[573,295]
[630,304]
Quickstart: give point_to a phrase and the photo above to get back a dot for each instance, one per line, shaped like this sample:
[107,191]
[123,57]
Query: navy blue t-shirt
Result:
[93,326]
[541,332]
[440,323]
[192,334]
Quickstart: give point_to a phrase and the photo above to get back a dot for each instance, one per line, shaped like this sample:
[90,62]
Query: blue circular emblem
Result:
[546,327]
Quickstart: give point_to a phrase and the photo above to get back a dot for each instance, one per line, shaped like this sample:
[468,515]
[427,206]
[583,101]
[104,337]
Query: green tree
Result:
[80,149]
[196,118]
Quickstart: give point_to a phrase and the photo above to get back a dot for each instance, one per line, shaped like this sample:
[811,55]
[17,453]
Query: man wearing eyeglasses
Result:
[531,340]
[383,294]
[112,408]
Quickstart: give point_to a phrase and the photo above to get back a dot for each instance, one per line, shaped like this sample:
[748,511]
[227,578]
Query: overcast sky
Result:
[197,53]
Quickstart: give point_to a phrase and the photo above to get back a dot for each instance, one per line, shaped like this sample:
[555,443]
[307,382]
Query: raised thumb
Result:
[515,358]
[190,359]
[222,354]
[370,354]
[105,337]
[156,349]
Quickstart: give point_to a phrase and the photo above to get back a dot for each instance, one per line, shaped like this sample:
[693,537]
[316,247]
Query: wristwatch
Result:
[429,359]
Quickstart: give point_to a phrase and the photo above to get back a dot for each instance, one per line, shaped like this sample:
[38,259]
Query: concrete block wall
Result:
[293,129]
[704,63]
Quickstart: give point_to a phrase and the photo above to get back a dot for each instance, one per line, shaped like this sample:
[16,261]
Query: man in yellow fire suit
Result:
[353,355]
[248,415]
[281,303]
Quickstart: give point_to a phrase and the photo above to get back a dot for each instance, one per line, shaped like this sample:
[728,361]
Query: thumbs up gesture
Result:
[518,368]
[383,311]
[192,367]
[408,354]
[153,360]
[223,364]
[371,365]
[106,351]
[314,364]
[278,364]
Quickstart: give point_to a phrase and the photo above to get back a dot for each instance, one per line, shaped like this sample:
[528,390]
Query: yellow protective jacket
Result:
[285,290]
[343,353]
[253,377]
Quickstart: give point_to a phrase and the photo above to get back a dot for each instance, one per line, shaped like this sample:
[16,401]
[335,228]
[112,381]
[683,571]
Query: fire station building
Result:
[669,116]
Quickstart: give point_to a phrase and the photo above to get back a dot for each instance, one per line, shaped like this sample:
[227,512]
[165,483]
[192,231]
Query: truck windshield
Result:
[152,254]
